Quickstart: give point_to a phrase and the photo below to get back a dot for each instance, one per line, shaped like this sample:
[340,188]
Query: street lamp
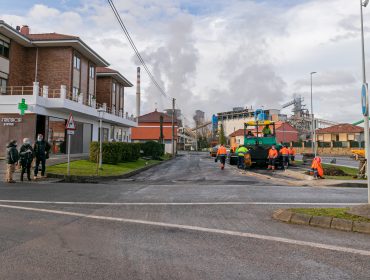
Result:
[364,3]
[101,112]
[313,128]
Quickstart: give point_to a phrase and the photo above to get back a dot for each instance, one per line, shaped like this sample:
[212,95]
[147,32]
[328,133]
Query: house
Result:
[148,129]
[110,90]
[344,133]
[285,133]
[54,75]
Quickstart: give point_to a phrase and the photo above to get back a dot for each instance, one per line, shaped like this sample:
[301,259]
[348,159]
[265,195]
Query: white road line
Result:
[178,203]
[200,229]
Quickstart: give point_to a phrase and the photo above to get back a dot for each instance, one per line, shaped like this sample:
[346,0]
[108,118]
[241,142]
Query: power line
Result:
[119,19]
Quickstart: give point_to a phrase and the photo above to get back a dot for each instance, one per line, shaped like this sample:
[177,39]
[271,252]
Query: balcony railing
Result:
[16,90]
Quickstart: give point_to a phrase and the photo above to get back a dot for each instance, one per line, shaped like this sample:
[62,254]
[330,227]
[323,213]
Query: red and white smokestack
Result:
[138,98]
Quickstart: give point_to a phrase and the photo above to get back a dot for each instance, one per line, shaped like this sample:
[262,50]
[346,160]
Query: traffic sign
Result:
[365,100]
[70,132]
[70,123]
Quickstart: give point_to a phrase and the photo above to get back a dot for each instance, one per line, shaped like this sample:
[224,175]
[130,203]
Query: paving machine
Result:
[257,143]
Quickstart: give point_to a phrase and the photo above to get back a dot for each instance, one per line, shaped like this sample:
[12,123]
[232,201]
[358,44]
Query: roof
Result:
[52,40]
[341,128]
[153,117]
[108,72]
[239,132]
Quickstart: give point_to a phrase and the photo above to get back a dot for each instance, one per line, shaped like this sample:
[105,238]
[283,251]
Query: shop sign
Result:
[10,121]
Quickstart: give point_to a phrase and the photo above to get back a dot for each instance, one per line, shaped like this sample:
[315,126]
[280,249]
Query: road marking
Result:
[178,203]
[199,229]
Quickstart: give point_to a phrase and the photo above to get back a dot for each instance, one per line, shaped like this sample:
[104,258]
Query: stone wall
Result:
[327,151]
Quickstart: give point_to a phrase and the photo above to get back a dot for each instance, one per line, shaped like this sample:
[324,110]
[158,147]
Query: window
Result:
[4,49]
[114,95]
[92,72]
[121,98]
[3,84]
[75,93]
[76,62]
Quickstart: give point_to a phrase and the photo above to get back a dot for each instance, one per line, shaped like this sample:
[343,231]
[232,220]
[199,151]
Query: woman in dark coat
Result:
[26,156]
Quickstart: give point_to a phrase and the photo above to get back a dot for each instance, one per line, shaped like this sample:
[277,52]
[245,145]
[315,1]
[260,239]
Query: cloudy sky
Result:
[216,54]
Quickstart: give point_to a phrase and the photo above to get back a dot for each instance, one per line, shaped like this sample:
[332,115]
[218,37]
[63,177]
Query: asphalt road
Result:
[340,160]
[185,219]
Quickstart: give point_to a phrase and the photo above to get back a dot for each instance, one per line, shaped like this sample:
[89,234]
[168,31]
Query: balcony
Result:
[63,100]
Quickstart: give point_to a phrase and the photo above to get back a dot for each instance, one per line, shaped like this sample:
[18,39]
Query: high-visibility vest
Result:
[292,151]
[242,151]
[221,151]
[284,151]
[273,153]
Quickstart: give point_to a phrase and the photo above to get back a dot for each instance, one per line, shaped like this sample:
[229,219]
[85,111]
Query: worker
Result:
[221,155]
[292,153]
[266,131]
[318,171]
[284,152]
[250,134]
[241,152]
[272,156]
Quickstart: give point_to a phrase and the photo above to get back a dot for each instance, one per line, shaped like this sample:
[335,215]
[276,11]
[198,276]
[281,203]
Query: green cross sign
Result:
[22,106]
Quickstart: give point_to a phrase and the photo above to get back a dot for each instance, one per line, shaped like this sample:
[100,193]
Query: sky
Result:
[214,55]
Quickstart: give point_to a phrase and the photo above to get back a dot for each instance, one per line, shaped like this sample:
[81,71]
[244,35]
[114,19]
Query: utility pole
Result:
[173,126]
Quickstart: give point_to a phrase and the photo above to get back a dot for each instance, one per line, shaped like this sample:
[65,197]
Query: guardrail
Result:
[17,90]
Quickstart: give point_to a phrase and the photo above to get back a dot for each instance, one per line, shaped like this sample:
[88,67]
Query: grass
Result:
[330,212]
[88,168]
[348,170]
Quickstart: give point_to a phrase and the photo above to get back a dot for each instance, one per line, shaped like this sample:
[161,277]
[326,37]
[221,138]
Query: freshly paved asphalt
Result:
[195,231]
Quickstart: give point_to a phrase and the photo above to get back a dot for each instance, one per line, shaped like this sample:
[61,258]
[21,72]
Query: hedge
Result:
[115,152]
[153,149]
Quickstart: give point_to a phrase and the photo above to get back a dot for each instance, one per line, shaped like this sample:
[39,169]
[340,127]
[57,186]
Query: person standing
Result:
[41,150]
[26,157]
[292,153]
[272,156]
[221,154]
[242,151]
[284,151]
[12,158]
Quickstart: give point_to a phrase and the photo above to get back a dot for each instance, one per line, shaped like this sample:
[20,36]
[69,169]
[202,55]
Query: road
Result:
[185,219]
[341,160]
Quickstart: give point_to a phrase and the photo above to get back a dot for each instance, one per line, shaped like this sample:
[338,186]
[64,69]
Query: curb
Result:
[288,216]
[97,179]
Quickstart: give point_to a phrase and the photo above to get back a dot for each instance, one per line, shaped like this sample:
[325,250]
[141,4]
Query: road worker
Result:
[318,171]
[266,131]
[221,155]
[292,153]
[284,152]
[272,156]
[241,152]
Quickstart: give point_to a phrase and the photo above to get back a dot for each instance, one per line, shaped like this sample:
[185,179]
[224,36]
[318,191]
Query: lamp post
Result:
[101,112]
[364,3]
[313,128]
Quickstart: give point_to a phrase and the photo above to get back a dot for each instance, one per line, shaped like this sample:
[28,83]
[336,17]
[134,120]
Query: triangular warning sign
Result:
[70,123]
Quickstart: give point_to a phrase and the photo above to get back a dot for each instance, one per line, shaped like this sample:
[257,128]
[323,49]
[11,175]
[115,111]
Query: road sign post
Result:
[70,127]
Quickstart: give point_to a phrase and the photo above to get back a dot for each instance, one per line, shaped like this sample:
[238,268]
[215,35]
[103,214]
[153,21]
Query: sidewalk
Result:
[54,159]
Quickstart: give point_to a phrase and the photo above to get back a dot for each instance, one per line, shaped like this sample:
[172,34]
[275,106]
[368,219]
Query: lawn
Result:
[348,170]
[88,168]
[330,212]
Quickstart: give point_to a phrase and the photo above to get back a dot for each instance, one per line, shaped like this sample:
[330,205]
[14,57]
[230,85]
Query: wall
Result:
[327,151]
[286,133]
[103,90]
[17,58]
[26,128]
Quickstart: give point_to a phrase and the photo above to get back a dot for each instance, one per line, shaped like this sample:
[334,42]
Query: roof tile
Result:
[341,128]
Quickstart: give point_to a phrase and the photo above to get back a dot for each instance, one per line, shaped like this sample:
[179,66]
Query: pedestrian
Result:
[12,158]
[41,150]
[284,152]
[292,153]
[221,154]
[242,151]
[316,166]
[272,156]
[26,158]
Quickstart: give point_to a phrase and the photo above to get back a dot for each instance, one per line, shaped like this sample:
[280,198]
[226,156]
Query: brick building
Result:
[149,129]
[344,133]
[56,75]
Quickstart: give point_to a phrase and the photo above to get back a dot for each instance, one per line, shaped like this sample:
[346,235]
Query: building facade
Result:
[341,133]
[55,76]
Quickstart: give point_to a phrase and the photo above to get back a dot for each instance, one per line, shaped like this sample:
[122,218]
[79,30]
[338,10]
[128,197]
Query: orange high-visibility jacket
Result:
[221,151]
[292,151]
[316,164]
[284,151]
[273,153]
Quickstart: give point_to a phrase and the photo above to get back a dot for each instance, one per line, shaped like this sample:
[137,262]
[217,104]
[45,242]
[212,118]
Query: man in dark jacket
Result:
[41,150]
[26,157]
[11,160]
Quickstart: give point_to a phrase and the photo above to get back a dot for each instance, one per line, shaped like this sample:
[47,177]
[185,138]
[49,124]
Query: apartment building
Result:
[56,75]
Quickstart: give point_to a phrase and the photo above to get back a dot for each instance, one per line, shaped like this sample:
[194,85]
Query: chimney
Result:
[138,93]
[18,28]
[25,30]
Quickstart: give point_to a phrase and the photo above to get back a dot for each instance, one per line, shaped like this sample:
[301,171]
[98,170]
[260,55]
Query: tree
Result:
[221,137]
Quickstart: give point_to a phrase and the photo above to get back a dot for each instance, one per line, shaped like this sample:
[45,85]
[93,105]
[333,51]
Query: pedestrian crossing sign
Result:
[70,123]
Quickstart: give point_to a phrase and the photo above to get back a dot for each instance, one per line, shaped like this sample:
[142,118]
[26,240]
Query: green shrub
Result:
[115,152]
[153,149]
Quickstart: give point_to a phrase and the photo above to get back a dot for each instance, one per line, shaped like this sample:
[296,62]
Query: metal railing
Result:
[16,90]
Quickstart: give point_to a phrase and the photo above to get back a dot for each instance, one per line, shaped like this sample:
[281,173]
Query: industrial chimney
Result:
[138,93]
[25,30]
